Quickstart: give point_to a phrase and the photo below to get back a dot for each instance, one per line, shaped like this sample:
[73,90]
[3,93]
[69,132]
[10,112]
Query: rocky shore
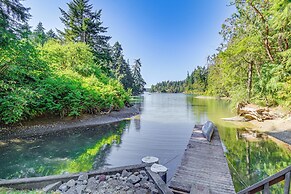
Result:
[47,125]
[126,182]
[277,127]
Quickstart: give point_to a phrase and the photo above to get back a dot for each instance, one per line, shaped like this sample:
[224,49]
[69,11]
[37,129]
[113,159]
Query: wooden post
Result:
[160,170]
[266,188]
[150,160]
[287,183]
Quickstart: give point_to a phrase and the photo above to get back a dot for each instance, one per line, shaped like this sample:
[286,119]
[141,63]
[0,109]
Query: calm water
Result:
[162,129]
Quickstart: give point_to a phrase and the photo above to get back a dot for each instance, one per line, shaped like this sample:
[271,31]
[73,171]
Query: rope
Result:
[241,179]
[171,159]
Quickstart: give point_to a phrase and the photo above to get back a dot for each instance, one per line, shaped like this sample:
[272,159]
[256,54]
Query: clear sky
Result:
[170,36]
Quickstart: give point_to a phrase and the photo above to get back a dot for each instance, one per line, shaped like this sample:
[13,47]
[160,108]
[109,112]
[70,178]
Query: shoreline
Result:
[212,97]
[278,130]
[43,126]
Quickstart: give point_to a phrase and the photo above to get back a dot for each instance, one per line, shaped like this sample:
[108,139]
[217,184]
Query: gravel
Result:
[127,182]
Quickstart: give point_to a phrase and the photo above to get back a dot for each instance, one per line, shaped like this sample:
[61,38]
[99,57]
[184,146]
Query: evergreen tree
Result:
[13,15]
[120,67]
[39,35]
[84,25]
[51,34]
[139,83]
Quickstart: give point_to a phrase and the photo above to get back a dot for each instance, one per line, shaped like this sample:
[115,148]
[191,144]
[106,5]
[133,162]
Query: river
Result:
[162,129]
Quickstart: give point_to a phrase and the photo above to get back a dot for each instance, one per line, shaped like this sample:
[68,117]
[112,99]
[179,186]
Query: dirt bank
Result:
[47,125]
[278,129]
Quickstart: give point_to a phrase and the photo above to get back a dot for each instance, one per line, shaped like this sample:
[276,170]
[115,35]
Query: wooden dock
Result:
[204,168]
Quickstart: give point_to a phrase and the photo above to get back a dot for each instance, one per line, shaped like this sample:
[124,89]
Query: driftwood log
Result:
[252,112]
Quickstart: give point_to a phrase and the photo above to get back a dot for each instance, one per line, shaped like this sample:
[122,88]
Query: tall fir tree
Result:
[139,83]
[13,16]
[84,25]
[51,34]
[39,35]
[120,67]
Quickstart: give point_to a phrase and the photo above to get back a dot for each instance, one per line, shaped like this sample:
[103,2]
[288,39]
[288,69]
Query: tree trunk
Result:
[286,44]
[266,39]
[250,78]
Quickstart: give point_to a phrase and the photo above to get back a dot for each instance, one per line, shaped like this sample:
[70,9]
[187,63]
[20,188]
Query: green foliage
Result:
[39,35]
[13,16]
[196,83]
[84,25]
[138,81]
[42,75]
[120,68]
[254,61]
[75,56]
[169,87]
[61,80]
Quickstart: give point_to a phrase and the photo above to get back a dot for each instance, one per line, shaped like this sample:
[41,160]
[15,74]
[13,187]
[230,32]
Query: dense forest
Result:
[68,72]
[253,63]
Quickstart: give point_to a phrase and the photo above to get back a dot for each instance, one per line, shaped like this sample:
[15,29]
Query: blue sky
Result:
[170,36]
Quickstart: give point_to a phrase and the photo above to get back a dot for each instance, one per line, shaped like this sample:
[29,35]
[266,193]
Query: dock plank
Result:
[203,164]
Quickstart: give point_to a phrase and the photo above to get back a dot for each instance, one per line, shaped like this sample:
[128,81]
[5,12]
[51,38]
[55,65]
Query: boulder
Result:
[133,179]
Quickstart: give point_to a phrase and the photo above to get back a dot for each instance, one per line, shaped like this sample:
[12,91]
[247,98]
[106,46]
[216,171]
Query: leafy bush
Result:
[56,79]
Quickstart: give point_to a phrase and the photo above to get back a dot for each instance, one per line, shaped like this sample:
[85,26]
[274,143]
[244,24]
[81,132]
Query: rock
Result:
[145,184]
[84,182]
[80,189]
[154,191]
[107,177]
[91,180]
[102,177]
[71,183]
[83,177]
[130,192]
[72,190]
[64,187]
[143,172]
[118,175]
[133,179]
[137,185]
[124,173]
[141,191]
[79,182]
[126,188]
[91,184]
[52,187]
[136,173]
[97,177]
[145,178]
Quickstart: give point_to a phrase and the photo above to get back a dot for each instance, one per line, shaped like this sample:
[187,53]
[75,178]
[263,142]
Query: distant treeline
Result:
[65,73]
[196,83]
[253,63]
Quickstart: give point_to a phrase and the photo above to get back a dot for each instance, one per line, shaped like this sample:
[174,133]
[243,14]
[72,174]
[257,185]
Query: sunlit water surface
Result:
[162,129]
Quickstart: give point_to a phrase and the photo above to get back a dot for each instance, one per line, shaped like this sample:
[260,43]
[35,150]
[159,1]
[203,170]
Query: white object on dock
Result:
[150,160]
[160,170]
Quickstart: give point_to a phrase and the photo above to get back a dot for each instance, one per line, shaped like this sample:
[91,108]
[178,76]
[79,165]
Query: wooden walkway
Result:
[204,168]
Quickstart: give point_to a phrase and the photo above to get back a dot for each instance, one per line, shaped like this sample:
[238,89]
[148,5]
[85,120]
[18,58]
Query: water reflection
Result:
[71,151]
[163,129]
[251,160]
[251,156]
